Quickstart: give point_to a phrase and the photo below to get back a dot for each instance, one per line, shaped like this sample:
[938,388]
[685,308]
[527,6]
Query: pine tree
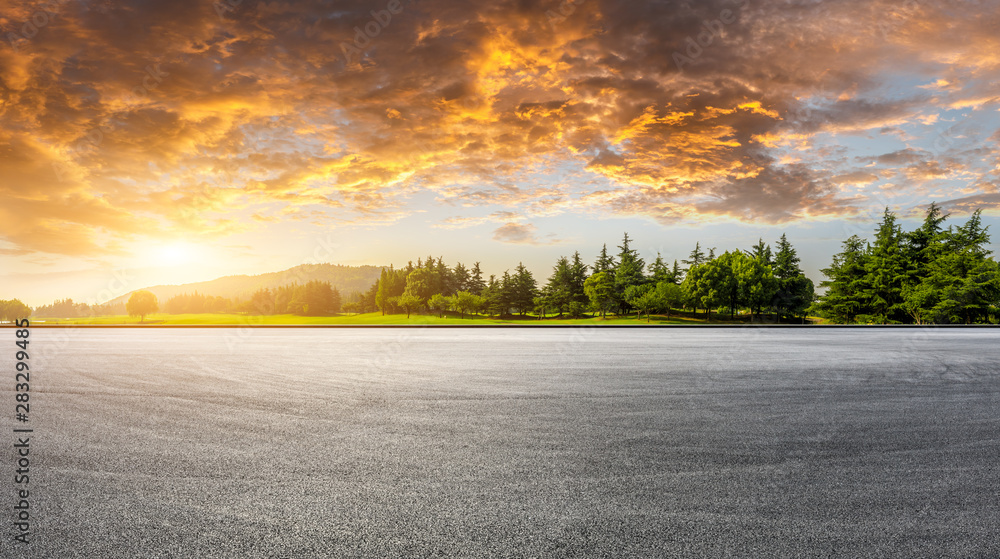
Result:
[628,273]
[794,290]
[382,295]
[604,262]
[523,289]
[885,273]
[476,284]
[460,278]
[578,275]
[762,252]
[697,257]
[677,275]
[842,302]
[658,270]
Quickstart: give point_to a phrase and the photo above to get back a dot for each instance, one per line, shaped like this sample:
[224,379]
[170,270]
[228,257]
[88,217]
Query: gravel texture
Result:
[576,442]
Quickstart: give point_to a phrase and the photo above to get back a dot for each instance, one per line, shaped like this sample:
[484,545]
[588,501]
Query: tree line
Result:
[931,275]
[756,280]
[13,309]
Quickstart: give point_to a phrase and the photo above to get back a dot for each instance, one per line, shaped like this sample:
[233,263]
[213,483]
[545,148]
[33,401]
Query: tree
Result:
[846,274]
[315,298]
[722,281]
[600,289]
[658,270]
[440,303]
[476,284]
[466,302]
[794,291]
[697,257]
[523,289]
[382,294]
[446,279]
[757,284]
[762,252]
[557,293]
[885,273]
[712,283]
[628,273]
[142,303]
[669,295]
[423,282]
[578,275]
[643,299]
[460,278]
[14,310]
[409,302]
[604,262]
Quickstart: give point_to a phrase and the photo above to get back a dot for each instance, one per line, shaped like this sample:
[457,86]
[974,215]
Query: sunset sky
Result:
[177,141]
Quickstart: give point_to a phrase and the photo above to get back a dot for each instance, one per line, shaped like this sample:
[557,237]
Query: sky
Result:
[144,143]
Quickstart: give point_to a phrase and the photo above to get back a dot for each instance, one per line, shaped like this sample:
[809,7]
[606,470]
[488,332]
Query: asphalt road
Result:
[509,443]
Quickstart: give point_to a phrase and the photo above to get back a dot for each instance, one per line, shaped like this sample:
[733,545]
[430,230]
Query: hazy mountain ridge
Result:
[346,279]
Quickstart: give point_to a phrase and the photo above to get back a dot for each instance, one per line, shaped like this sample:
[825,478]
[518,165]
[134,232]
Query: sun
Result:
[174,254]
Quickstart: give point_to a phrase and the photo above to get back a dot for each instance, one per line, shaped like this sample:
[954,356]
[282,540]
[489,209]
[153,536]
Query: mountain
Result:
[346,279]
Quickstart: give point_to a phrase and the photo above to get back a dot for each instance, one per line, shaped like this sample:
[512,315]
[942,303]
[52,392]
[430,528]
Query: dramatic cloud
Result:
[124,120]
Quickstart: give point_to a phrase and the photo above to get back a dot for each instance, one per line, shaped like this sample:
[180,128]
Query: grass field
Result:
[162,319]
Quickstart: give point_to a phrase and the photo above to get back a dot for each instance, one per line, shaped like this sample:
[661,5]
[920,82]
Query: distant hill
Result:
[345,278]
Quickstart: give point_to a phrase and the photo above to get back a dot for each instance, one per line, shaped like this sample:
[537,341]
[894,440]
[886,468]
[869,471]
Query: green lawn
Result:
[368,319]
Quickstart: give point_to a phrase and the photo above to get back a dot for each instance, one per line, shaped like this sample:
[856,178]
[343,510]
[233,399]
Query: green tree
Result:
[557,293]
[670,295]
[762,252]
[315,298]
[476,284]
[446,278]
[604,262]
[382,295]
[723,279]
[523,289]
[440,303]
[645,299]
[628,273]
[842,302]
[409,302]
[600,289]
[423,282]
[142,303]
[460,278]
[466,302]
[659,271]
[885,272]
[696,258]
[14,310]
[757,284]
[794,291]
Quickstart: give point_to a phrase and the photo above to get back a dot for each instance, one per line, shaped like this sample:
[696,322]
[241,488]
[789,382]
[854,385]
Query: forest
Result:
[762,282]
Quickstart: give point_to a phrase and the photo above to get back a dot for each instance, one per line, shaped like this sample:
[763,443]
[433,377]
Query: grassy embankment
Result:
[376,318]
